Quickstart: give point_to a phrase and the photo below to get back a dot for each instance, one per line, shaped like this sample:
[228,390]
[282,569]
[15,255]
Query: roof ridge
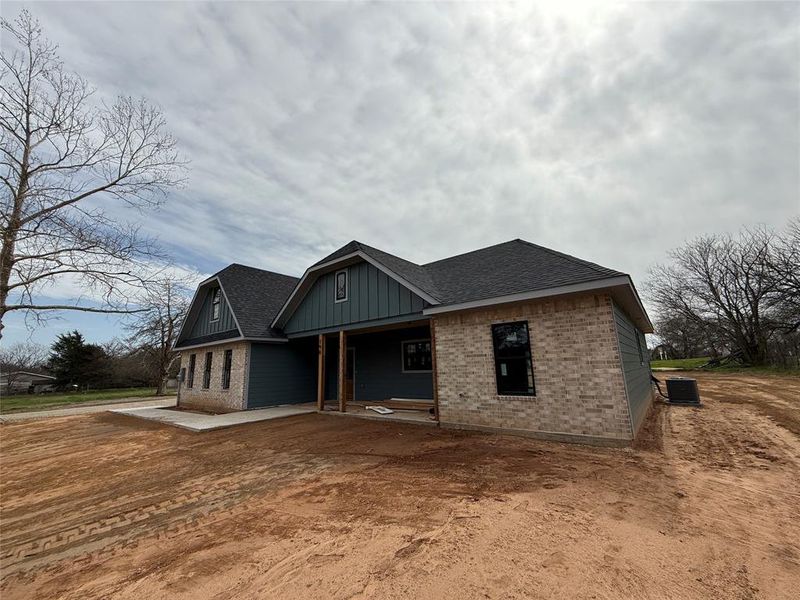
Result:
[254,269]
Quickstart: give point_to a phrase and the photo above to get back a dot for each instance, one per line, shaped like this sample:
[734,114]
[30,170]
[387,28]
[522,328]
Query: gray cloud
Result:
[429,129]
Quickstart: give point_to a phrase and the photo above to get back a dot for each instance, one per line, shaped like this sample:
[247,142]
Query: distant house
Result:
[513,337]
[662,352]
[24,382]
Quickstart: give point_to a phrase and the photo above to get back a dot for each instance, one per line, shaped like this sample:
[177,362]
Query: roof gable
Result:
[372,296]
[406,273]
[253,296]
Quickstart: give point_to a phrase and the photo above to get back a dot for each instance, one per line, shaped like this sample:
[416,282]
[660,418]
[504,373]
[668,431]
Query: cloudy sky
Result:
[613,133]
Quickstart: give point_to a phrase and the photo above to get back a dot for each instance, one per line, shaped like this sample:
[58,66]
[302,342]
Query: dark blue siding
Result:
[203,325]
[635,370]
[379,366]
[283,373]
[372,295]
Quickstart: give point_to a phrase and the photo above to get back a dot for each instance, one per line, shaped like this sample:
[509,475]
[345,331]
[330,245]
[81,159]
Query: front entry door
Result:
[350,375]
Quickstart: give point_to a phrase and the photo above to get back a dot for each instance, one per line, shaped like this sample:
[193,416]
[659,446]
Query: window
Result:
[190,377]
[341,286]
[417,356]
[512,359]
[215,304]
[207,370]
[226,369]
[639,346]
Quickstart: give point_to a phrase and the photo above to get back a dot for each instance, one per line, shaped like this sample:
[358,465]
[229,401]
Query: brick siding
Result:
[577,370]
[215,398]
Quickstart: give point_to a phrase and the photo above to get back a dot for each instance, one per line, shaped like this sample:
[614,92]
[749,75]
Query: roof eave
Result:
[237,339]
[622,281]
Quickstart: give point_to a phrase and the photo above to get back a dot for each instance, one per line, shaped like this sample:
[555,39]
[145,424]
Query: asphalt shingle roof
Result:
[509,268]
[255,297]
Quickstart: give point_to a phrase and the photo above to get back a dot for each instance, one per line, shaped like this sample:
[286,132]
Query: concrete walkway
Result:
[87,409]
[204,422]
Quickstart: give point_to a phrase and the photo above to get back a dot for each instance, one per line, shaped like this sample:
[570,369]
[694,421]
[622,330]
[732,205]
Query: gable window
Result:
[215,299]
[512,359]
[341,285]
[226,369]
[190,376]
[207,370]
[417,356]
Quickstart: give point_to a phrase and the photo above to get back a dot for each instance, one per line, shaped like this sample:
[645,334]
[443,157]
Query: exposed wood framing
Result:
[433,369]
[321,373]
[342,370]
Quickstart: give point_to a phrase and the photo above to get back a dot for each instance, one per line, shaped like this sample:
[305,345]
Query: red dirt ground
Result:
[706,505]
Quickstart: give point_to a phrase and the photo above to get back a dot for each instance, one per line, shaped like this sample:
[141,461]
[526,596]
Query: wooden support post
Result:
[433,370]
[342,371]
[321,373]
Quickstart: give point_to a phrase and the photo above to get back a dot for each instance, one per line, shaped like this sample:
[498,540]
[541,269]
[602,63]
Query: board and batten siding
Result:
[203,325]
[372,296]
[635,368]
[282,373]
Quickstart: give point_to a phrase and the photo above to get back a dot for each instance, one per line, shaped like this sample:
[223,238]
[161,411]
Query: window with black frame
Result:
[512,359]
[417,356]
[226,369]
[207,370]
[341,285]
[190,376]
[215,300]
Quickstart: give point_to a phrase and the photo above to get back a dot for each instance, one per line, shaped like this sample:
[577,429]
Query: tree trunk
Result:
[11,231]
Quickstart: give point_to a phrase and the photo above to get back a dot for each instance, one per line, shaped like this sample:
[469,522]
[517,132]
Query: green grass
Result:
[679,363]
[689,364]
[42,401]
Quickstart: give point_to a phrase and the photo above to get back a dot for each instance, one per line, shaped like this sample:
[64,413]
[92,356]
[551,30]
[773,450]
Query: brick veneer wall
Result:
[215,398]
[580,390]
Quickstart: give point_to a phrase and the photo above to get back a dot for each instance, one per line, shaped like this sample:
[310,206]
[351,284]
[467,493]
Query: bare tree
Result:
[741,290]
[785,270]
[23,356]
[687,338]
[62,159]
[155,330]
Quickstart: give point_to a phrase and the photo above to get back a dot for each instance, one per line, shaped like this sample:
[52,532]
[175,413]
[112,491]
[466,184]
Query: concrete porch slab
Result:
[203,422]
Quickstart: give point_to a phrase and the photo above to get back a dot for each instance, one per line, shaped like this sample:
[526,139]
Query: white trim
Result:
[622,281]
[402,355]
[346,286]
[357,254]
[231,340]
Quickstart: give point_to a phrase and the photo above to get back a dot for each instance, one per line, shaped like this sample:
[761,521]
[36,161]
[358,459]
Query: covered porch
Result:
[391,366]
